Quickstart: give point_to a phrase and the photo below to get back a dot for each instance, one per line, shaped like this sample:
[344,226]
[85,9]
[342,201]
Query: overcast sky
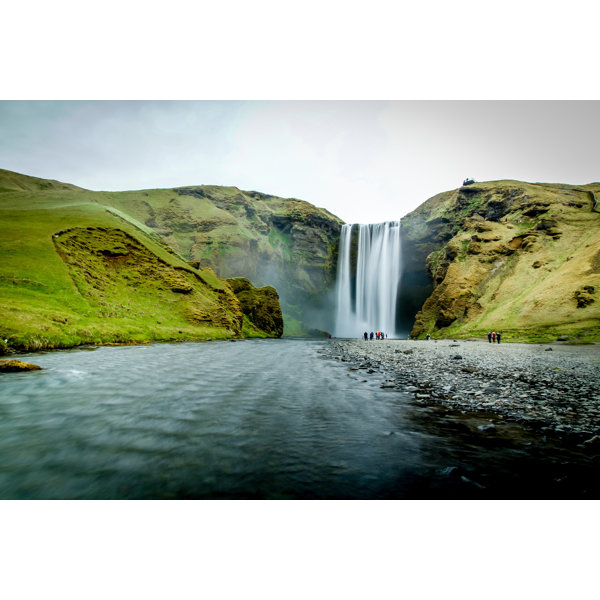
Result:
[364,161]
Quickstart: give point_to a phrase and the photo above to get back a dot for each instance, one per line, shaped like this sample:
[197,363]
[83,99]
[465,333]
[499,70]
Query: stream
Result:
[255,419]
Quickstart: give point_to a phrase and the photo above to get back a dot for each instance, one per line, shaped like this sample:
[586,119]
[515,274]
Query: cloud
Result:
[364,161]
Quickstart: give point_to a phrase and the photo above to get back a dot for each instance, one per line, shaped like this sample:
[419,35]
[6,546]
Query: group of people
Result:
[378,334]
[494,337]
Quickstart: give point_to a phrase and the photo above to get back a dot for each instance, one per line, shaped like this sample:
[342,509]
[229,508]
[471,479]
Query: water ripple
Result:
[255,419]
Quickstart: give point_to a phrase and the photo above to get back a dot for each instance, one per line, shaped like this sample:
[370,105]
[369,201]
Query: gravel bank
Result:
[550,386]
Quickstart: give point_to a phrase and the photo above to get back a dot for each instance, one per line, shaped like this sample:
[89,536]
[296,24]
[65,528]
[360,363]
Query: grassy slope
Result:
[40,305]
[527,293]
[233,232]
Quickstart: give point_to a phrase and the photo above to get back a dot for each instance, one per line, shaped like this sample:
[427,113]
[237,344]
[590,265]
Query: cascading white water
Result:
[367,295]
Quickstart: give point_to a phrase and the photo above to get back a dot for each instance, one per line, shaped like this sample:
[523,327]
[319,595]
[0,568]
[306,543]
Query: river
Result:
[254,419]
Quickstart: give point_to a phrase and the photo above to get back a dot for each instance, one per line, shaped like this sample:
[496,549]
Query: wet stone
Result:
[16,366]
[514,381]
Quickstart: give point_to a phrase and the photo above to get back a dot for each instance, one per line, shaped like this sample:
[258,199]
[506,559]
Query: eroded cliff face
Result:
[260,306]
[506,255]
[125,280]
[286,243]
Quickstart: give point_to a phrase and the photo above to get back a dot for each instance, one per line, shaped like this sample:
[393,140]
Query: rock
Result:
[388,384]
[593,440]
[15,366]
[449,471]
[546,225]
[260,305]
[548,350]
[457,357]
[467,480]
[487,427]
[583,297]
[516,386]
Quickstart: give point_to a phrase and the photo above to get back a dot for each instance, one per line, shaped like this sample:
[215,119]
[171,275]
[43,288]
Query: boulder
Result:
[15,366]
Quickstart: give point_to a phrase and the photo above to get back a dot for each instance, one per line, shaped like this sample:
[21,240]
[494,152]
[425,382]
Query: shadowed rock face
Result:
[259,305]
[504,255]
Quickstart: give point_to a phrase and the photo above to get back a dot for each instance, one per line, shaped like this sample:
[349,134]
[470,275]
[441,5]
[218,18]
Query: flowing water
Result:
[253,419]
[367,288]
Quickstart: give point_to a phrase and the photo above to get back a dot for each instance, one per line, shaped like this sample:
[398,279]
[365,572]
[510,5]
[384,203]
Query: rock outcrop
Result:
[260,306]
[523,258]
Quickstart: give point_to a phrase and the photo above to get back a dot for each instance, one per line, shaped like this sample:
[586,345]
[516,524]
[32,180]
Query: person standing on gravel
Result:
[498,335]
[490,337]
[493,337]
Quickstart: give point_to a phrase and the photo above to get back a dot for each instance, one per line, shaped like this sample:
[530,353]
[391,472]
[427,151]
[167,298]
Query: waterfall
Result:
[367,292]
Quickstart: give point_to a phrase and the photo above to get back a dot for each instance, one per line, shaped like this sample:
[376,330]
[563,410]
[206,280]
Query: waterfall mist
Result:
[368,279]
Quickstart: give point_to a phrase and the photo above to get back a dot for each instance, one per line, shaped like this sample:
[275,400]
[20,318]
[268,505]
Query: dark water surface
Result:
[255,419]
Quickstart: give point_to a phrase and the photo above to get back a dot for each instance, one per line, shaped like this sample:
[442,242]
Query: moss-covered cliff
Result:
[506,255]
[74,270]
[286,243]
[262,312]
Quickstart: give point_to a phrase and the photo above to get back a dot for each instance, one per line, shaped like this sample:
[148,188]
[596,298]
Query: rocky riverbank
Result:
[551,387]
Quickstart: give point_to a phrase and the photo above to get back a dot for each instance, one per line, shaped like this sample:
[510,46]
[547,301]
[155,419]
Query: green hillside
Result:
[75,269]
[523,258]
[285,243]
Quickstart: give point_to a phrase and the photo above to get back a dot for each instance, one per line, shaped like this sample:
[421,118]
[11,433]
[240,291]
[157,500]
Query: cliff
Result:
[517,257]
[285,243]
[75,270]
